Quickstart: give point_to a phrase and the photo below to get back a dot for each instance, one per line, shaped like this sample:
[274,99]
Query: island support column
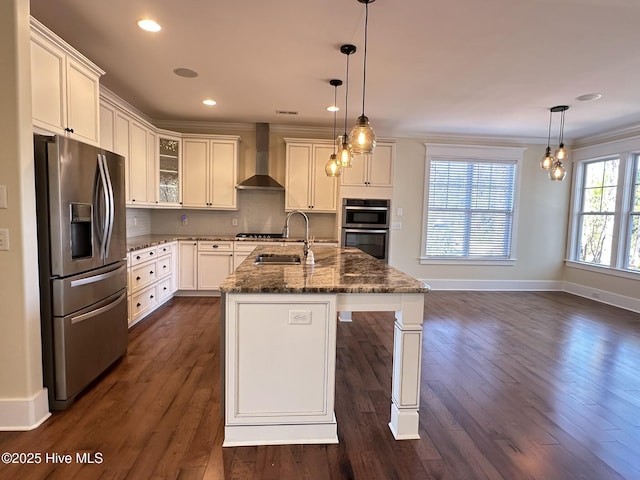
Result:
[407,359]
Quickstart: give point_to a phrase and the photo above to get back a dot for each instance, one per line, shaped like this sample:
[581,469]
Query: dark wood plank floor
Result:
[514,386]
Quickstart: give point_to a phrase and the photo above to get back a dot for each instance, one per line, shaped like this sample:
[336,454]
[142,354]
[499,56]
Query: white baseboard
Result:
[24,414]
[602,296]
[495,285]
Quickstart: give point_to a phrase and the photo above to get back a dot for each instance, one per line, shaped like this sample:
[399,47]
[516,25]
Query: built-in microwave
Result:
[365,213]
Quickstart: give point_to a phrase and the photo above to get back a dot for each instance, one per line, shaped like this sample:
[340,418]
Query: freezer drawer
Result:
[87,343]
[79,291]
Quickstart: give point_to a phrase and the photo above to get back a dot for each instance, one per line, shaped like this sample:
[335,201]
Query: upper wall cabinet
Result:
[374,170]
[209,171]
[65,87]
[137,141]
[307,186]
[169,169]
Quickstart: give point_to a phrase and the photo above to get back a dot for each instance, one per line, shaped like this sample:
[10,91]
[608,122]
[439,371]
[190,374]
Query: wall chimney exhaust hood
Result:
[261,180]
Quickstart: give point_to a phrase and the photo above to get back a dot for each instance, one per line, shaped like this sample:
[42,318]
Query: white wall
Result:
[539,242]
[23,400]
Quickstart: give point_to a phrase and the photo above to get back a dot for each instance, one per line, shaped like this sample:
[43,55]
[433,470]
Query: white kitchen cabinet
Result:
[215,263]
[151,274]
[209,171]
[307,187]
[142,162]
[188,265]
[375,170]
[65,87]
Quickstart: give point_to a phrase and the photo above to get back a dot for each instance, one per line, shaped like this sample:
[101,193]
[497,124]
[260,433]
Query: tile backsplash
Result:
[259,211]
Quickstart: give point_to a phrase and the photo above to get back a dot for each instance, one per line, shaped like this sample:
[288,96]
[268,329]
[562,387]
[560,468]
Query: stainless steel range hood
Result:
[261,180]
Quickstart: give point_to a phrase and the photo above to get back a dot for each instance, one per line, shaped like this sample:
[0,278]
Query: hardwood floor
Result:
[514,386]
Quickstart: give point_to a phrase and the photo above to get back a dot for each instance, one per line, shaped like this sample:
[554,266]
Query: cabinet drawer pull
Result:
[138,305]
[137,279]
[137,257]
[151,297]
[215,246]
[151,272]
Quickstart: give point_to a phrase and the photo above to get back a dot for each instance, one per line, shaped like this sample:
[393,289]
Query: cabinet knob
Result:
[150,253]
[215,246]
[138,279]
[151,296]
[138,305]
[151,272]
[68,130]
[137,257]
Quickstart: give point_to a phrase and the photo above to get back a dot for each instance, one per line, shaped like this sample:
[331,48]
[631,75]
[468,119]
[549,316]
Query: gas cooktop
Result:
[259,235]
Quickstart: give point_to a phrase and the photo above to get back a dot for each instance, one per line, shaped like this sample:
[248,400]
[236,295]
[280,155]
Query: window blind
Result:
[470,209]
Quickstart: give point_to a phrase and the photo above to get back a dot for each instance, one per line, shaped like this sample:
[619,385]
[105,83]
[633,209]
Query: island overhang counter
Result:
[279,343]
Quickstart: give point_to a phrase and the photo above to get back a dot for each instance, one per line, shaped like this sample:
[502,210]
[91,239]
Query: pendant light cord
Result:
[364,70]
[335,113]
[549,134]
[562,128]
[346,96]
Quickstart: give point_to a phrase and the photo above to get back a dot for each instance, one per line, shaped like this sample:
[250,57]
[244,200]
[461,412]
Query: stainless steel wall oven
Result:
[365,225]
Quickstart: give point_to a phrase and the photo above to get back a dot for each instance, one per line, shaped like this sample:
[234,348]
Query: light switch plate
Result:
[396,226]
[299,317]
[3,196]
[4,239]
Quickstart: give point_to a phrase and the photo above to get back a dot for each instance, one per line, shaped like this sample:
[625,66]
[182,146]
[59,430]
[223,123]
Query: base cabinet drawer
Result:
[143,275]
[164,289]
[142,301]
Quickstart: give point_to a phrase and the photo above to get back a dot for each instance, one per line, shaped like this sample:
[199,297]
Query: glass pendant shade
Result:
[547,161]
[557,172]
[345,156]
[332,168]
[561,152]
[362,139]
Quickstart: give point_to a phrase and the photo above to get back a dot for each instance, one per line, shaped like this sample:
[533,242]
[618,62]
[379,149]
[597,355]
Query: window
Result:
[606,223]
[597,212]
[633,255]
[469,203]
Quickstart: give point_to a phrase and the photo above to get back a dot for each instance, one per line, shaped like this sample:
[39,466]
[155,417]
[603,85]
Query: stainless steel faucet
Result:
[285,231]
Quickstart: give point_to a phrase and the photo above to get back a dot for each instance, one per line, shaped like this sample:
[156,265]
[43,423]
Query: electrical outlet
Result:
[135,221]
[4,239]
[234,222]
[399,211]
[299,317]
[185,220]
[3,196]
[396,226]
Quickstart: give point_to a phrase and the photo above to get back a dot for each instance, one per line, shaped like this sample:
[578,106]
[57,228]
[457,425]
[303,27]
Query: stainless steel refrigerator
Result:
[81,219]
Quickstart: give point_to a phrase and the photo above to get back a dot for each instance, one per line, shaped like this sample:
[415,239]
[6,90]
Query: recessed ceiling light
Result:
[185,72]
[209,102]
[587,97]
[149,25]
[333,108]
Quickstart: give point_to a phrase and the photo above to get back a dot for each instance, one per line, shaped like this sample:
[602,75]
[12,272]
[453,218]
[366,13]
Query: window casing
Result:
[470,204]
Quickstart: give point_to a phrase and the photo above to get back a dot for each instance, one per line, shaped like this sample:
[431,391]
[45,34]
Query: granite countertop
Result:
[144,241]
[337,270]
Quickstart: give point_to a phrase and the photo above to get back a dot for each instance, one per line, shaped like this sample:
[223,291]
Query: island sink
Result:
[278,259]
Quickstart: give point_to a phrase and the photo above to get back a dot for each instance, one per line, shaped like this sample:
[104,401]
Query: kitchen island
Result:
[279,341]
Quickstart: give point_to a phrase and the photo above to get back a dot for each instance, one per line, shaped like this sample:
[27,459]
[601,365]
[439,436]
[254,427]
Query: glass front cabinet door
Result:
[169,170]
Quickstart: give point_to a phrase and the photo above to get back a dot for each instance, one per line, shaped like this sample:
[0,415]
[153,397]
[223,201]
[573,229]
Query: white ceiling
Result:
[477,67]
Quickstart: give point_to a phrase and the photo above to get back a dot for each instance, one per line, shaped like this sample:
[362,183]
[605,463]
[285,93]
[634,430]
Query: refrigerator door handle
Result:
[97,278]
[110,207]
[102,189]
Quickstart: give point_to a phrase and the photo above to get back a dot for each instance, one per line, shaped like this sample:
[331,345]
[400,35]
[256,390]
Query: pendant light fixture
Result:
[345,156]
[553,163]
[362,139]
[547,161]
[333,168]
[558,172]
